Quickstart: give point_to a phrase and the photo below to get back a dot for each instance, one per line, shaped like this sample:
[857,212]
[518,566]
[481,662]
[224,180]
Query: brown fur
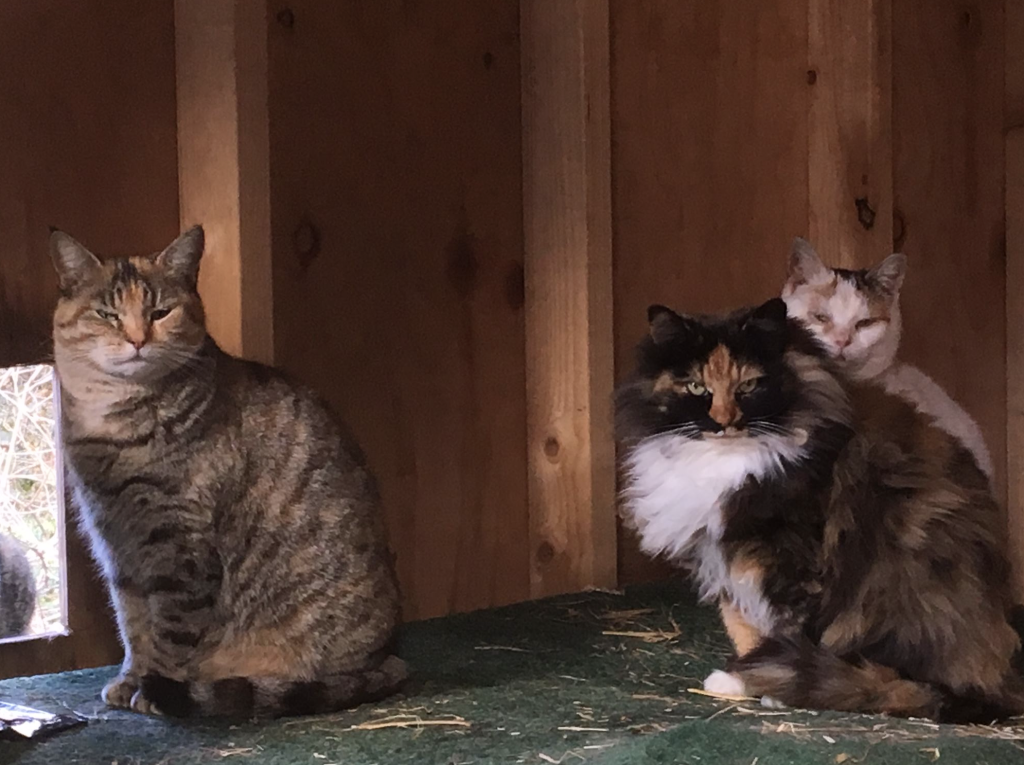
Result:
[869,553]
[744,636]
[237,526]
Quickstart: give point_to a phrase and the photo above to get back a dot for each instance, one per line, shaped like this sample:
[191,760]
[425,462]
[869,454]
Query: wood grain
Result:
[87,143]
[709,162]
[398,270]
[849,157]
[1014,122]
[1015,346]
[948,148]
[224,165]
[568,261]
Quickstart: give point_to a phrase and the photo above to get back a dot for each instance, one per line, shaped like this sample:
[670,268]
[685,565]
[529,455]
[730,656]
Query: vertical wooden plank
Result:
[224,164]
[849,139]
[87,143]
[709,163]
[948,159]
[567,235]
[1014,121]
[1015,346]
[398,270]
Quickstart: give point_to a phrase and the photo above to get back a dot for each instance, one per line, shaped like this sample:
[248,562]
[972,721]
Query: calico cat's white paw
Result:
[769,703]
[724,684]
[119,691]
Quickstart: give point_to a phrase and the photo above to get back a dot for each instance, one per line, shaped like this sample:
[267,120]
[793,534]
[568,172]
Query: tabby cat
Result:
[17,589]
[856,314]
[855,549]
[239,531]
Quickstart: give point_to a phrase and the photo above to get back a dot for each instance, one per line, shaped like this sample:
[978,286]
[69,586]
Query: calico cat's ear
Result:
[75,265]
[769,325]
[804,263]
[666,324]
[180,259]
[888,275]
[772,312]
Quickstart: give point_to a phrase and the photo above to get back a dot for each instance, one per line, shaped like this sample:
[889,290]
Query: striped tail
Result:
[804,675]
[247,697]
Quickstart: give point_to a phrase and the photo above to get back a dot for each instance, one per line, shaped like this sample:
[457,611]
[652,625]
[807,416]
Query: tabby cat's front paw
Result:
[143,705]
[119,691]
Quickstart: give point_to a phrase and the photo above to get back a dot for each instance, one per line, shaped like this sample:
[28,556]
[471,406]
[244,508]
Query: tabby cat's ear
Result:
[75,265]
[666,324]
[804,263]
[888,275]
[181,258]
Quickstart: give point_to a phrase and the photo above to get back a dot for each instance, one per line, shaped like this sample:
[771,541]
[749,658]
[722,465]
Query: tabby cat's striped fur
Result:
[239,531]
[17,589]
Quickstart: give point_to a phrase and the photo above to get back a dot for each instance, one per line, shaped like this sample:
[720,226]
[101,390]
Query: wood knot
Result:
[306,243]
[812,76]
[545,553]
[552,448]
[286,18]
[865,213]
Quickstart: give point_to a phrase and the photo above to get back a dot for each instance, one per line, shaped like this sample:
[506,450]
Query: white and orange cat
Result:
[856,315]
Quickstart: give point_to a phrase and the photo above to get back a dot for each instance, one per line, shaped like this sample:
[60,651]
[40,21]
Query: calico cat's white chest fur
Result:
[675,487]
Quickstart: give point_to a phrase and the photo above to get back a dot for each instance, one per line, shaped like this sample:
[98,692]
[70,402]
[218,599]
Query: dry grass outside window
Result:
[30,506]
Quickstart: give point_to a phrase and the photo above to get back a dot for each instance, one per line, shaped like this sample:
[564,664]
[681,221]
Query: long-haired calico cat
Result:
[238,530]
[17,589]
[856,315]
[854,548]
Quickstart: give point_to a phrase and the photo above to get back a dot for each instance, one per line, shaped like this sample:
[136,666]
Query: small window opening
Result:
[32,557]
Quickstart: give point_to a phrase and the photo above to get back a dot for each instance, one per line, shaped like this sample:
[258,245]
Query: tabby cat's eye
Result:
[696,388]
[747,386]
[159,313]
[865,323]
[106,315]
[821,317]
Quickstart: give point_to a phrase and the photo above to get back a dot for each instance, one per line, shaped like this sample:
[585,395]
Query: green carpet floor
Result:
[596,678]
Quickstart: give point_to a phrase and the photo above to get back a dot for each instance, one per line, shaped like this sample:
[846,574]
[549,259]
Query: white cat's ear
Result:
[888,275]
[181,258]
[75,265]
[804,263]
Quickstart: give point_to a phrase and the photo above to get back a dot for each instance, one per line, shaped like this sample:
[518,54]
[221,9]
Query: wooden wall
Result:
[393,168]
[87,143]
[396,199]
[737,126]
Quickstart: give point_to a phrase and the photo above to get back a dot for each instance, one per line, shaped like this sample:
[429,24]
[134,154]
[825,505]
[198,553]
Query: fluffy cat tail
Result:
[802,674]
[243,697]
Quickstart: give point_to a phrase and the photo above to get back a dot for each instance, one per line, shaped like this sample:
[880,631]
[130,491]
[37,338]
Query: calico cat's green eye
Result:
[106,315]
[821,317]
[695,388]
[159,313]
[865,323]
[747,386]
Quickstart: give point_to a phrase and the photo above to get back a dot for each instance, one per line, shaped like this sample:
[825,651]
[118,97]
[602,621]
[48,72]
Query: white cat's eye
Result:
[865,323]
[695,388]
[159,313]
[824,318]
[747,386]
[106,315]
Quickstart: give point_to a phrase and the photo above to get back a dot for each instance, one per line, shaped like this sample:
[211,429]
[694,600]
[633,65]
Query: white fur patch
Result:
[724,684]
[674,489]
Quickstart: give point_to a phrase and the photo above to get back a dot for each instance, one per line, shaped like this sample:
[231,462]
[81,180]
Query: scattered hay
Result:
[720,696]
[410,721]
